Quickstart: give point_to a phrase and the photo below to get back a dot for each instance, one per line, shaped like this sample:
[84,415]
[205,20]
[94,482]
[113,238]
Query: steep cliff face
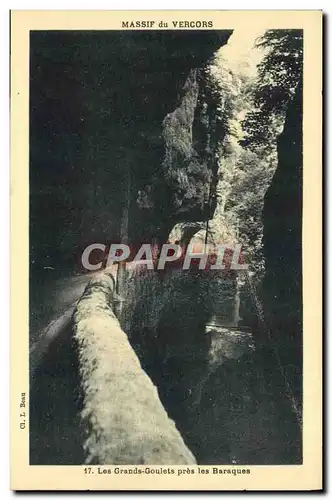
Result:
[283,248]
[103,108]
[183,186]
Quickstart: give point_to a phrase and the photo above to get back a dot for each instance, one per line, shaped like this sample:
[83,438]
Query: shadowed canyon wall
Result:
[106,110]
[283,247]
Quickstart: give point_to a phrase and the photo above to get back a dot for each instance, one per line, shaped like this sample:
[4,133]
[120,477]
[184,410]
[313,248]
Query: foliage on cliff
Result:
[278,76]
[249,157]
[191,135]
[243,175]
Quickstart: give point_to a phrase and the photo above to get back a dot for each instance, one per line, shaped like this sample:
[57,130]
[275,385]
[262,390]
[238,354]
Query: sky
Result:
[240,48]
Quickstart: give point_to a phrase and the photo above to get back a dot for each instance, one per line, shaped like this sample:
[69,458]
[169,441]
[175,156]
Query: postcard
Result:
[166,248]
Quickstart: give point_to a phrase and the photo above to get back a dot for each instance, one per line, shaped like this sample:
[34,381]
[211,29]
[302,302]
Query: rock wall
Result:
[282,288]
[99,106]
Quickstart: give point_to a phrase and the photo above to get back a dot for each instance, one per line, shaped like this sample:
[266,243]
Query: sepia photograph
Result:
[165,236]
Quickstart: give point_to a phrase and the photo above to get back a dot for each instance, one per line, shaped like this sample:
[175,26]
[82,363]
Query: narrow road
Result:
[51,298]
[52,304]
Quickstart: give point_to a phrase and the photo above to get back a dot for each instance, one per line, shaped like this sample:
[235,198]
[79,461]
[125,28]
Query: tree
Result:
[244,205]
[278,76]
